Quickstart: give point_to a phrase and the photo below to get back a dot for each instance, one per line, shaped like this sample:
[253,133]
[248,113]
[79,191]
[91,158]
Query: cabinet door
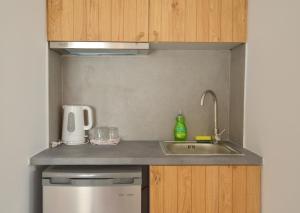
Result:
[198,20]
[204,189]
[98,20]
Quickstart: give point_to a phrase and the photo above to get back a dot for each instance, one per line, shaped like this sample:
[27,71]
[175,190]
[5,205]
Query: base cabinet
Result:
[205,189]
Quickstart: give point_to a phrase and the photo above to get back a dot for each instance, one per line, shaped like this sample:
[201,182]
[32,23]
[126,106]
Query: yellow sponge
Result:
[203,138]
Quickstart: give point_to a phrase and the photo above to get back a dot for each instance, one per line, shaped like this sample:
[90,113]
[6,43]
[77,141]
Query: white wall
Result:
[22,101]
[272,123]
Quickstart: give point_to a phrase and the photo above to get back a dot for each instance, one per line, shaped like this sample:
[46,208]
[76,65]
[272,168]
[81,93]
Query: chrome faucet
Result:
[217,134]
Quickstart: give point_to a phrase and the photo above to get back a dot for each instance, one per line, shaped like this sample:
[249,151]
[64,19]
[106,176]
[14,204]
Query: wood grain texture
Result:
[253,189]
[190,25]
[212,189]
[92,7]
[130,19]
[240,8]
[198,189]
[178,20]
[117,20]
[80,20]
[54,12]
[205,189]
[105,20]
[155,19]
[156,189]
[142,21]
[166,20]
[202,20]
[171,194]
[184,189]
[226,20]
[214,20]
[198,20]
[239,179]
[67,20]
[225,189]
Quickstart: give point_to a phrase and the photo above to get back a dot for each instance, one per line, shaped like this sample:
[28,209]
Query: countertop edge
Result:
[114,155]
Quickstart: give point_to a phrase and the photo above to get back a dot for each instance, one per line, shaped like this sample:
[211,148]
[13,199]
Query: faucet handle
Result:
[219,134]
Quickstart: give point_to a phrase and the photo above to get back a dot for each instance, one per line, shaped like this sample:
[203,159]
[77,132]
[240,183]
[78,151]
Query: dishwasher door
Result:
[102,195]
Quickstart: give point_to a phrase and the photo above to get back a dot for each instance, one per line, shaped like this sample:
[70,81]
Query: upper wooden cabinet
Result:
[198,20]
[205,189]
[147,20]
[98,20]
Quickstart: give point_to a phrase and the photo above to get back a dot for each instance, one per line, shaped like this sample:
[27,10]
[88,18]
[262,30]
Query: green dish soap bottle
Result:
[180,130]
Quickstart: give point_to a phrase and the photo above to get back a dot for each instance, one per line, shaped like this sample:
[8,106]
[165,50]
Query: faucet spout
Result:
[216,129]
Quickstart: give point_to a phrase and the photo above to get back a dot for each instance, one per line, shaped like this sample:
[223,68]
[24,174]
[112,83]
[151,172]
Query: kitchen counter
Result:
[133,153]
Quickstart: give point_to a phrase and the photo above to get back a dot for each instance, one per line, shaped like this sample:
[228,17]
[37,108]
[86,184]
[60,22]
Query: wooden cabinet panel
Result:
[225,189]
[60,20]
[142,25]
[253,189]
[53,19]
[178,15]
[202,20]
[166,20]
[190,30]
[92,7]
[212,189]
[226,20]
[239,180]
[98,20]
[80,20]
[205,189]
[198,20]
[144,20]
[130,9]
[240,8]
[155,15]
[170,189]
[198,189]
[157,189]
[184,185]
[105,20]
[117,25]
[214,17]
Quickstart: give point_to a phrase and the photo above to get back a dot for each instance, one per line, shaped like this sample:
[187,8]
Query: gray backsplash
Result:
[142,94]
[55,96]
[237,78]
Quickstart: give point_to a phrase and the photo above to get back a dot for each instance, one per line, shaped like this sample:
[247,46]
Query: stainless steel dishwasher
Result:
[72,189]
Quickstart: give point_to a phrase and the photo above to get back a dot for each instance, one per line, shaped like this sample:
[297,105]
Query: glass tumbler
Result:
[100,134]
[114,135]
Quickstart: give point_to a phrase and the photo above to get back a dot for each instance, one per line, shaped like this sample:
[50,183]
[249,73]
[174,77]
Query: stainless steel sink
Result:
[194,148]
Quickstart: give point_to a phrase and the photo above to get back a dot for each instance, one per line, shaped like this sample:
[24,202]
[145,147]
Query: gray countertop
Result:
[133,153]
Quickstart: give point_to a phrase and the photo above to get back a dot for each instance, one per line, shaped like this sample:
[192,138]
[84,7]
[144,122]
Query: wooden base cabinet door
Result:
[205,189]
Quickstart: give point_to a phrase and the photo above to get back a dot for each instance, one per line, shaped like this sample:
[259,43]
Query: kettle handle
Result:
[90,117]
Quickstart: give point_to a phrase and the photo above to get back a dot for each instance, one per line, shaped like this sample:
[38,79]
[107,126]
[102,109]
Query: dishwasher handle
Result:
[91,182]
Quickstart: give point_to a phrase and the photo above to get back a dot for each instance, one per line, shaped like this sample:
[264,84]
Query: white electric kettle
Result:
[73,132]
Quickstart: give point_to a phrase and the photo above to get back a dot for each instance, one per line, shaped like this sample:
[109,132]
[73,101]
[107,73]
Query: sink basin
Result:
[194,148]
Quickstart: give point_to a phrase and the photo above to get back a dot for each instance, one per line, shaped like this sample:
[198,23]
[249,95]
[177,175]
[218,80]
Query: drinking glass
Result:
[100,133]
[114,135]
